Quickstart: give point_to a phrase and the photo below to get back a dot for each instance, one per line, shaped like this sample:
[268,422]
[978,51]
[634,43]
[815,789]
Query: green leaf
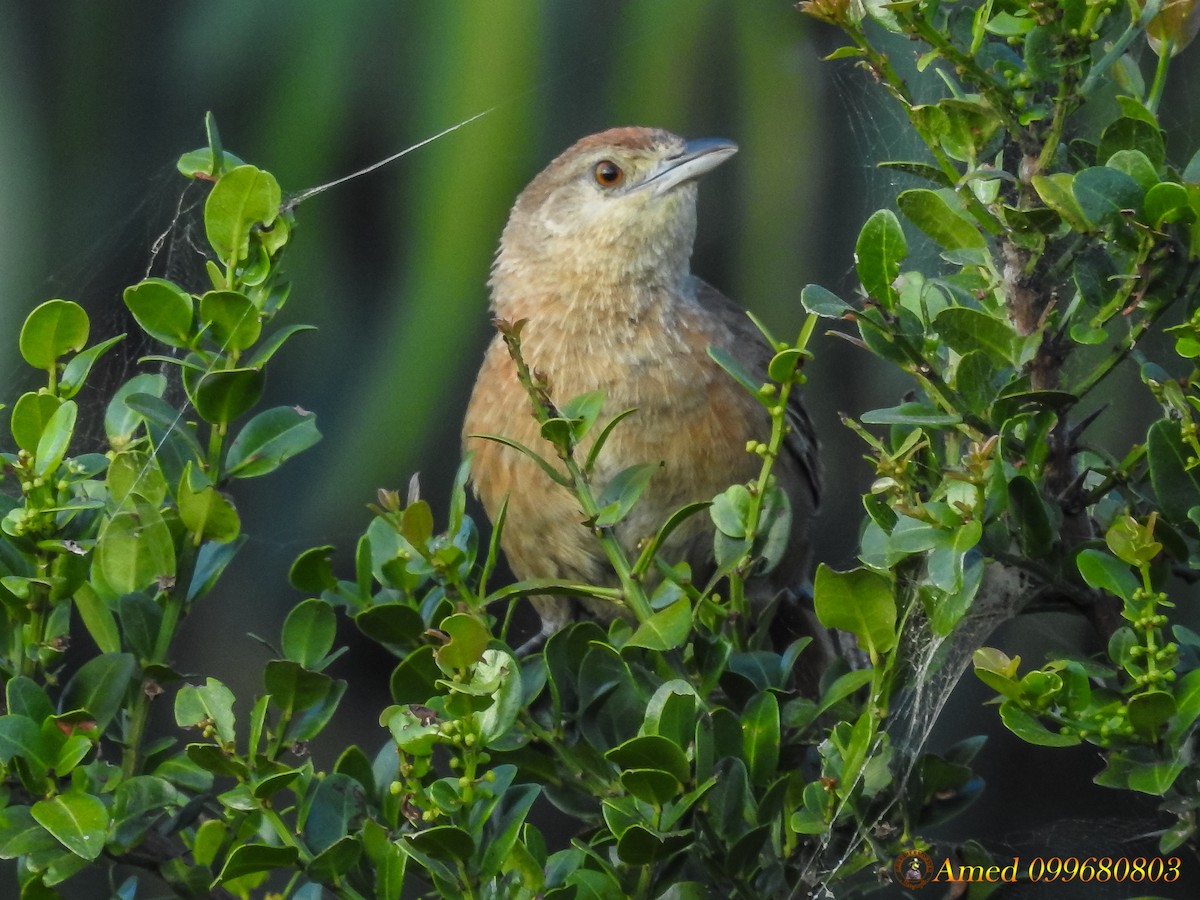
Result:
[224,395]
[53,329]
[416,523]
[1056,192]
[1103,193]
[241,199]
[354,762]
[156,411]
[308,699]
[212,703]
[602,438]
[163,310]
[30,415]
[946,573]
[1173,473]
[1034,529]
[25,697]
[499,674]
[651,785]
[388,860]
[582,412]
[232,320]
[75,372]
[652,751]
[211,561]
[119,419]
[22,737]
[271,345]
[212,759]
[292,687]
[247,859]
[730,511]
[1129,133]
[141,620]
[21,835]
[413,680]
[589,884]
[55,439]
[1167,202]
[134,549]
[1105,572]
[206,512]
[330,866]
[506,825]
[1028,728]
[843,687]
[859,601]
[210,161]
[879,251]
[1135,164]
[671,712]
[443,842]
[1087,334]
[824,303]
[969,126]
[761,738]
[309,632]
[1008,25]
[881,11]
[336,803]
[79,821]
[921,170]
[1155,778]
[551,472]
[269,440]
[965,329]
[1149,712]
[734,368]
[622,492]
[413,734]
[640,845]
[100,685]
[1095,275]
[395,625]
[71,754]
[785,364]
[468,638]
[1187,698]
[312,572]
[258,724]
[666,629]
[1191,172]
[940,215]
[139,803]
[973,379]
[646,557]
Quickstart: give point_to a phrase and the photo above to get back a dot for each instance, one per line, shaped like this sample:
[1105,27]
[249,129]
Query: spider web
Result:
[163,236]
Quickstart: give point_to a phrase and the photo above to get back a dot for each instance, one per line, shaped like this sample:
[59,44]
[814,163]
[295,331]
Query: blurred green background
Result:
[97,100]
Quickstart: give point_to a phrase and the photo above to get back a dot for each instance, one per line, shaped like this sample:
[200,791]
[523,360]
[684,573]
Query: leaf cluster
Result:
[1065,239]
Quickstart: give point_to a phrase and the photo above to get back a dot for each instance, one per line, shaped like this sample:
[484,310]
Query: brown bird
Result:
[595,257]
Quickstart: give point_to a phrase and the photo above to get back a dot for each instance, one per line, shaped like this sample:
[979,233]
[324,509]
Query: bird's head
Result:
[619,206]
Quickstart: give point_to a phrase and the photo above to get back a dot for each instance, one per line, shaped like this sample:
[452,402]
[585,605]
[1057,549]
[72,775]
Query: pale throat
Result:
[601,302]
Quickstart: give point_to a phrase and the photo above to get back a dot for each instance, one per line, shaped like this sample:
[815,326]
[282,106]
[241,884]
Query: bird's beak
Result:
[698,156]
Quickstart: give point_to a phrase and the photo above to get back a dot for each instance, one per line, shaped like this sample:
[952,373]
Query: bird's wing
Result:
[753,351]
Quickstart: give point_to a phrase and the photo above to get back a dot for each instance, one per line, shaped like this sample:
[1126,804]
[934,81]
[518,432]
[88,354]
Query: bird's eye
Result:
[608,173]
